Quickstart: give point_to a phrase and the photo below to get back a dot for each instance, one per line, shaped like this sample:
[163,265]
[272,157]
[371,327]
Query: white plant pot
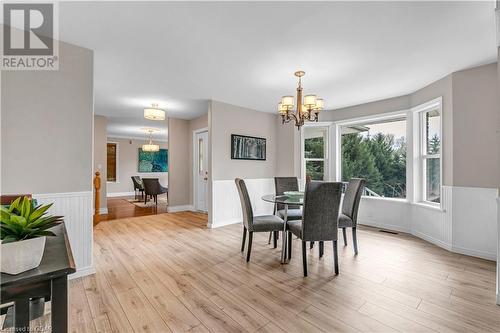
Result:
[18,257]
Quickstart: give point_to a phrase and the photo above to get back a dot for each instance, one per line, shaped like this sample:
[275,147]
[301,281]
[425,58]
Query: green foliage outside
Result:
[380,159]
[313,148]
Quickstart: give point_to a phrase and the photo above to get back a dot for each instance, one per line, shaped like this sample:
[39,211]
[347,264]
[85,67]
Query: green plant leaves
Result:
[22,220]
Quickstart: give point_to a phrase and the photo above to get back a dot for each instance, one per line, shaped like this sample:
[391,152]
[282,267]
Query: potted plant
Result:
[23,229]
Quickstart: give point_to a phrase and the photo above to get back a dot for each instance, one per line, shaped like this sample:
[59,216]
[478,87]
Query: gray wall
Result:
[128,153]
[47,119]
[100,154]
[178,175]
[441,88]
[227,119]
[475,119]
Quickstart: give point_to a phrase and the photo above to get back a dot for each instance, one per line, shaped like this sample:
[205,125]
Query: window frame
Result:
[386,116]
[326,155]
[117,160]
[421,156]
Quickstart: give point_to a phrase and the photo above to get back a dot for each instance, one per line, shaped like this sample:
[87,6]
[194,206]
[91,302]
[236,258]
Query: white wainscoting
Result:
[76,207]
[226,207]
[498,250]
[385,214]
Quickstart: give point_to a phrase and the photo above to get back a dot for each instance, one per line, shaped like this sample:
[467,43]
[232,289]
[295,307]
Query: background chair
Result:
[263,223]
[320,221]
[282,185]
[152,188]
[349,216]
[138,186]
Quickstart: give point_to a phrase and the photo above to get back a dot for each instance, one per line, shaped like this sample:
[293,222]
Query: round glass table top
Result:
[283,199]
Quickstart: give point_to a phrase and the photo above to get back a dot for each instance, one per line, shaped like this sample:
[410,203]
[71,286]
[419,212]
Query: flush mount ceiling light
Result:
[150,146]
[308,108]
[154,113]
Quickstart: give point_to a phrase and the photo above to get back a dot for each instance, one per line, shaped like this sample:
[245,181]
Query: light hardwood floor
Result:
[168,272]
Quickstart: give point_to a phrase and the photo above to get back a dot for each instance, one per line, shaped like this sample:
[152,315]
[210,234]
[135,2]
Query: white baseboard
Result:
[82,272]
[390,227]
[432,240]
[224,223]
[120,194]
[474,253]
[182,208]
[102,210]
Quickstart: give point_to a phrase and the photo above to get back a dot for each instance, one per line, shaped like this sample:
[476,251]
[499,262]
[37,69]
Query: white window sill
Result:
[398,200]
[429,206]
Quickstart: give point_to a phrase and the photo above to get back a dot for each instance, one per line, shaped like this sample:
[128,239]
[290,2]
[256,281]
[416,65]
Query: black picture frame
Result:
[258,153]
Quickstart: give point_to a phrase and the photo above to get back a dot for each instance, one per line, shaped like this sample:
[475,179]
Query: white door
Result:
[200,171]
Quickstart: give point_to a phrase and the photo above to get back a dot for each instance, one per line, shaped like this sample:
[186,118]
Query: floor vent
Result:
[389,232]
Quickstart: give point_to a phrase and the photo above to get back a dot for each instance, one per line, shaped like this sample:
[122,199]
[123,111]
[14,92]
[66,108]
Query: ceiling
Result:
[181,54]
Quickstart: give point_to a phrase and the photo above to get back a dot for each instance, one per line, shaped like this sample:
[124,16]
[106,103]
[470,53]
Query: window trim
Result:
[420,155]
[326,157]
[117,163]
[387,116]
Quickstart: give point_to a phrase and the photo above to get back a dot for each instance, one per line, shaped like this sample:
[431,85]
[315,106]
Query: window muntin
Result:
[315,152]
[376,151]
[111,161]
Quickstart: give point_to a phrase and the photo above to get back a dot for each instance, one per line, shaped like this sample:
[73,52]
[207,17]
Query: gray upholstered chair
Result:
[152,188]
[349,215]
[251,223]
[138,186]
[320,219]
[282,185]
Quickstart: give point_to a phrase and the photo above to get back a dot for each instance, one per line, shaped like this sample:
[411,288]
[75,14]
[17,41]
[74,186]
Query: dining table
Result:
[296,200]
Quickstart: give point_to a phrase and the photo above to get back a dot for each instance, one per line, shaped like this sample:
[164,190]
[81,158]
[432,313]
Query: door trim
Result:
[193,164]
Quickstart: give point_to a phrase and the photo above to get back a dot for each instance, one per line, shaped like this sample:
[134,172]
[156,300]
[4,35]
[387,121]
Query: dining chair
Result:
[294,212]
[348,217]
[138,186]
[320,219]
[153,188]
[251,223]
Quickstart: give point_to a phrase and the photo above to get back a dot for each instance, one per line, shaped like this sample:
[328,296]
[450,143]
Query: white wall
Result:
[100,156]
[128,166]
[47,141]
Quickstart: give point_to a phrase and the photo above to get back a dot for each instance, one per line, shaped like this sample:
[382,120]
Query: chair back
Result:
[246,205]
[138,185]
[283,184]
[352,197]
[151,186]
[321,211]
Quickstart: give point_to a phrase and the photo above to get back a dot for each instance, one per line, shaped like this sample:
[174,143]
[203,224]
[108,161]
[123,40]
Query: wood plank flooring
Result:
[168,273]
[121,207]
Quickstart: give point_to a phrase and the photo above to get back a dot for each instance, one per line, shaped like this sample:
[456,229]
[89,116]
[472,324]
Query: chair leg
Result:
[244,238]
[304,258]
[321,248]
[311,245]
[355,240]
[146,199]
[270,236]
[335,258]
[275,239]
[250,236]
[344,233]
[289,245]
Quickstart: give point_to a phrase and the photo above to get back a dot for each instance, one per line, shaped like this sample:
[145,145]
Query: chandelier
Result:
[150,146]
[307,108]
[154,113]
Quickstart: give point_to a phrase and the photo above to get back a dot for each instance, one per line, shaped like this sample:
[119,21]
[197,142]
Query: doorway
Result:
[200,167]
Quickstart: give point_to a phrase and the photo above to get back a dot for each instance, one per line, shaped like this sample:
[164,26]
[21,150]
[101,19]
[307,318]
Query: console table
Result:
[48,281]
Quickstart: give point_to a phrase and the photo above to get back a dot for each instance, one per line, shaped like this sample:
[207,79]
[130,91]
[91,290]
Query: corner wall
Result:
[47,142]
[178,159]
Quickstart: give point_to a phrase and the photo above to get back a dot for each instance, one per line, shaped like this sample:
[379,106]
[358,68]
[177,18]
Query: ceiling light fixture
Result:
[154,113]
[308,108]
[150,147]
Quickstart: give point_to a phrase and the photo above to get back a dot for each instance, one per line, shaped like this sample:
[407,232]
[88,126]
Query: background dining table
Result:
[286,201]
